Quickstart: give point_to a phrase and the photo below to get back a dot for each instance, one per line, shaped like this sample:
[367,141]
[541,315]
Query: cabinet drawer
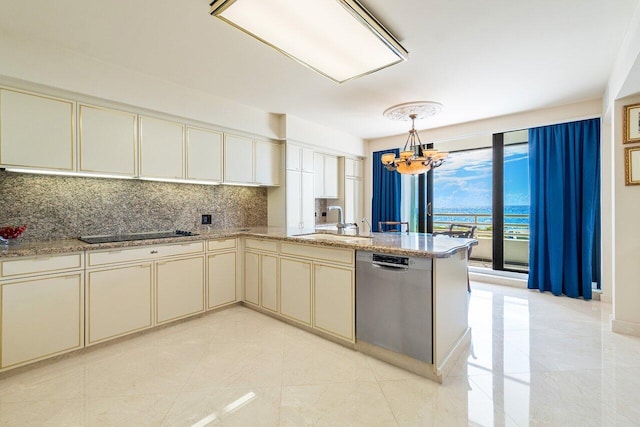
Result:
[343,256]
[13,267]
[261,245]
[216,245]
[142,253]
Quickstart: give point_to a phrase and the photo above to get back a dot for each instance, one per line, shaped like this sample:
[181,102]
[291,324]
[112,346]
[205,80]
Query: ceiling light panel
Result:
[337,38]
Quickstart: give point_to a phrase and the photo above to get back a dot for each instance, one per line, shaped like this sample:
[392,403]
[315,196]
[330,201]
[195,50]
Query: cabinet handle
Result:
[154,252]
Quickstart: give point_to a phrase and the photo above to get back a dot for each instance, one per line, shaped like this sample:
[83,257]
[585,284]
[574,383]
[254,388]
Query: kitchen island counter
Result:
[411,244]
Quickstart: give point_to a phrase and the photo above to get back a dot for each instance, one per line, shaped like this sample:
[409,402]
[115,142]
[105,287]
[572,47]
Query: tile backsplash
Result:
[55,207]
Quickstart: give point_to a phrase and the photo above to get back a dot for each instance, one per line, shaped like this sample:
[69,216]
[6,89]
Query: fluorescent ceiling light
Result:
[339,39]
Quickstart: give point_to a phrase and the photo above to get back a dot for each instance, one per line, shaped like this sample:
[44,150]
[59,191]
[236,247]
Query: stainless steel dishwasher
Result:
[394,303]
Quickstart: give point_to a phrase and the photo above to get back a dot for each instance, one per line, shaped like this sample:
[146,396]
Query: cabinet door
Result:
[252,278]
[349,167]
[267,163]
[108,141]
[294,201]
[293,157]
[269,282]
[358,169]
[295,290]
[334,300]
[222,279]
[119,301]
[204,155]
[307,160]
[179,288]
[319,175]
[308,207]
[36,131]
[41,318]
[161,148]
[353,200]
[330,177]
[238,159]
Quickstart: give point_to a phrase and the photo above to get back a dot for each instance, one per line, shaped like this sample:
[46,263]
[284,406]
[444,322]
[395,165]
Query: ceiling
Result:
[479,58]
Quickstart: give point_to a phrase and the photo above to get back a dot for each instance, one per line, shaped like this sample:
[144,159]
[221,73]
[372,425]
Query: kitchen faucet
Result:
[366,221]
[340,224]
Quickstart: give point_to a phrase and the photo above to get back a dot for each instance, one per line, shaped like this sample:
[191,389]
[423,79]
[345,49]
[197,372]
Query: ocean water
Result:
[468,215]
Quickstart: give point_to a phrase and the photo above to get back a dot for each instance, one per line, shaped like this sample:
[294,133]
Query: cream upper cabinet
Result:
[204,155]
[353,200]
[300,200]
[267,163]
[326,176]
[36,131]
[161,148]
[353,168]
[300,158]
[107,141]
[238,159]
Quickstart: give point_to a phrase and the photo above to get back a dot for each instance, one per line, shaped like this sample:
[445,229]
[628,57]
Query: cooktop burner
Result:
[135,236]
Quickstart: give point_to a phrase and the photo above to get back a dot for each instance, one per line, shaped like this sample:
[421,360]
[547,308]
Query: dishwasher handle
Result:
[390,267]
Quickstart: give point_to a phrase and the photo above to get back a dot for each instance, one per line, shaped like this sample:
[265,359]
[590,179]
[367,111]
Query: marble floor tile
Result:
[535,359]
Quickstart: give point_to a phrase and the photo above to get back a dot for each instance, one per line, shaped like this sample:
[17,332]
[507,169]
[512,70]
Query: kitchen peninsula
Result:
[87,294]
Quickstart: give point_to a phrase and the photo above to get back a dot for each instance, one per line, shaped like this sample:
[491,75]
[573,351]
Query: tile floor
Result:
[536,360]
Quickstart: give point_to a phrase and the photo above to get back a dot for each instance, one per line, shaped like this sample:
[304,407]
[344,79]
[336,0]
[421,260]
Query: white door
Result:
[334,300]
[308,208]
[179,288]
[330,177]
[295,290]
[204,155]
[252,277]
[294,201]
[238,159]
[269,282]
[222,279]
[161,148]
[267,163]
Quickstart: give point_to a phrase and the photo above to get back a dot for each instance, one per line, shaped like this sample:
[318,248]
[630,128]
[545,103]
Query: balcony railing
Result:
[515,225]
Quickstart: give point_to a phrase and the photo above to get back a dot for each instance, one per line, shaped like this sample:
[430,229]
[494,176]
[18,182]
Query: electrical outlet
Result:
[206,219]
[324,214]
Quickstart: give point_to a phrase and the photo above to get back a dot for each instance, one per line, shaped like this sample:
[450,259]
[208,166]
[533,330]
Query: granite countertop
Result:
[412,244]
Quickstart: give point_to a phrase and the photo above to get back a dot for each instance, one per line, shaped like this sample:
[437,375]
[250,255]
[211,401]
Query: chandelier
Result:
[415,158]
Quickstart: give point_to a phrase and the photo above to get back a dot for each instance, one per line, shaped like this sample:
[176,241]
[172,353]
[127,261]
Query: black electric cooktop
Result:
[135,236]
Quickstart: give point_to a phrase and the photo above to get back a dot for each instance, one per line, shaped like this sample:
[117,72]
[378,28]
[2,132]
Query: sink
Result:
[336,237]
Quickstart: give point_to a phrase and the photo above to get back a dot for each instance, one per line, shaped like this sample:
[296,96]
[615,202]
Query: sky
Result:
[464,180]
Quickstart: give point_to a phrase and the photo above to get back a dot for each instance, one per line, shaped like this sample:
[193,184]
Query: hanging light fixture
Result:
[415,158]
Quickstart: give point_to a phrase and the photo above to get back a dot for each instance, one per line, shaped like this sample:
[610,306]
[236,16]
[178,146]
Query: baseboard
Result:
[625,328]
[498,280]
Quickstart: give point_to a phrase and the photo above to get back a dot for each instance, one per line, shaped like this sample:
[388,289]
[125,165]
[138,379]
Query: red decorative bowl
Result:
[8,234]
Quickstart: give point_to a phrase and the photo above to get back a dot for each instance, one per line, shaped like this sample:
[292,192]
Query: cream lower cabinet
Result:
[119,301]
[179,288]
[41,307]
[261,273]
[334,300]
[41,317]
[222,273]
[132,289]
[295,289]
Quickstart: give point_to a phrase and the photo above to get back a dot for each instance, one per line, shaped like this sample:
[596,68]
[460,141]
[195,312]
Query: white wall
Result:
[35,62]
[331,140]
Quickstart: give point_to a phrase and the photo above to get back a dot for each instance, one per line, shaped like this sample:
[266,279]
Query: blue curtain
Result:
[564,163]
[386,191]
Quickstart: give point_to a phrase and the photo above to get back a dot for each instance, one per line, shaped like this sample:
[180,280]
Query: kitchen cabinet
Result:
[139,287]
[295,289]
[204,155]
[326,176]
[161,148]
[107,141]
[221,273]
[261,273]
[353,200]
[37,131]
[179,288]
[300,158]
[41,317]
[353,168]
[119,301]
[41,307]
[247,161]
[300,200]
[334,300]
[267,163]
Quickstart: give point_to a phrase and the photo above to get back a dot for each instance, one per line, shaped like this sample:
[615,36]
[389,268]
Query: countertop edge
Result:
[63,246]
